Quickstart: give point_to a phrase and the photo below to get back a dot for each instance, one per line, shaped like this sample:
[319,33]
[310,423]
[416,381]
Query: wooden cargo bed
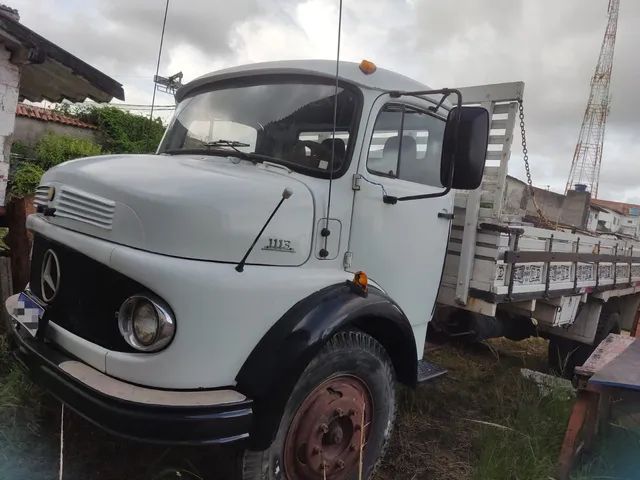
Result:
[494,257]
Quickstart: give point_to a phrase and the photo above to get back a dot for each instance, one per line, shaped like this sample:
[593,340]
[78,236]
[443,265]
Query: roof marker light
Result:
[367,67]
[360,279]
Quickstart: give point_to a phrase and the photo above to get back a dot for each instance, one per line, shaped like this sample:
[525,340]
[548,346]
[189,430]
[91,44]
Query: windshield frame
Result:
[274,79]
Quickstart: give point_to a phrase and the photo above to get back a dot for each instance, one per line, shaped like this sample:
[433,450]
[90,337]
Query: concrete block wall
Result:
[572,209]
[575,209]
[9,87]
[29,130]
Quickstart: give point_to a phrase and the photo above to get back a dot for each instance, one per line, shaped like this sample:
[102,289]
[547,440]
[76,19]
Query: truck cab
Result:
[266,277]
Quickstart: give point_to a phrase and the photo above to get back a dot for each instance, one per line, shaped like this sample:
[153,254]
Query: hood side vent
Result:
[84,207]
[40,197]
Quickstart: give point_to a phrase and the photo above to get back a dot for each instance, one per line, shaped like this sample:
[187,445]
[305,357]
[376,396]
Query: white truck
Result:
[266,278]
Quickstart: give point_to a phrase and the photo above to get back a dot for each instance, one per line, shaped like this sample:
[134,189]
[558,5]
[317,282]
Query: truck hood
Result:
[198,207]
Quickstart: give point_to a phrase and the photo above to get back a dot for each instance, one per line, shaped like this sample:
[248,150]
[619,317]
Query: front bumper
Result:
[151,415]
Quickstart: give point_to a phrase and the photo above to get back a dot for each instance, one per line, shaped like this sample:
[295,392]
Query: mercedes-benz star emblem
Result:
[49,276]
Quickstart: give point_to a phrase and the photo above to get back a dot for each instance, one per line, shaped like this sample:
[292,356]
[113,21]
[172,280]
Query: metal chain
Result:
[525,151]
[525,156]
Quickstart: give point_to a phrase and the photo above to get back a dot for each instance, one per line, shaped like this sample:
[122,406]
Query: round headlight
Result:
[145,323]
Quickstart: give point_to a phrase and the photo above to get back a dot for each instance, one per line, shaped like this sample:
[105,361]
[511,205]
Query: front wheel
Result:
[344,399]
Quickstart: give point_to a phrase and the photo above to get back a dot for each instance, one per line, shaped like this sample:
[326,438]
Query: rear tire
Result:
[565,355]
[322,417]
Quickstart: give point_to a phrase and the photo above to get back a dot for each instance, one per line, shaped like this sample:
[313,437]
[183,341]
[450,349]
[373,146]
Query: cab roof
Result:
[350,72]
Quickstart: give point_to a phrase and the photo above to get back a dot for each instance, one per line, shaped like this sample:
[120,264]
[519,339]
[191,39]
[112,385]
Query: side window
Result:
[382,158]
[407,144]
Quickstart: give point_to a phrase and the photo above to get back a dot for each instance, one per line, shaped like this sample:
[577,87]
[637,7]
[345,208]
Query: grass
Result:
[18,396]
[3,235]
[23,412]
[483,421]
[527,446]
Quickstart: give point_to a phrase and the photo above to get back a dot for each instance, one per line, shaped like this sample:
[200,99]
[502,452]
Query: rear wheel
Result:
[345,398]
[565,355]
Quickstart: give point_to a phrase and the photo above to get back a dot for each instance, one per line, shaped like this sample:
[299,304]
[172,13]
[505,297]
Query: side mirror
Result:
[464,149]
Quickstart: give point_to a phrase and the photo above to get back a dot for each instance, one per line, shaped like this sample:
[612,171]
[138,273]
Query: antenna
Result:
[164,24]
[325,232]
[168,84]
[587,158]
[286,193]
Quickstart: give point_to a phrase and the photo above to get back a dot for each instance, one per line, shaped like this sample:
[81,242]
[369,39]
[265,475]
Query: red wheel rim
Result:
[323,440]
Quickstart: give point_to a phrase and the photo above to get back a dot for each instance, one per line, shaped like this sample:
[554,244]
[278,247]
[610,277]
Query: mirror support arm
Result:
[445,92]
[391,200]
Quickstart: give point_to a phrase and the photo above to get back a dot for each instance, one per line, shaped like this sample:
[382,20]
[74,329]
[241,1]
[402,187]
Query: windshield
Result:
[289,121]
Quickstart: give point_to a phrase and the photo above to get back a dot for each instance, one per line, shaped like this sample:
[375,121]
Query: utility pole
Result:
[587,158]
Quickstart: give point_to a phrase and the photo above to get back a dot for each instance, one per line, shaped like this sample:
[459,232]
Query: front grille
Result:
[88,296]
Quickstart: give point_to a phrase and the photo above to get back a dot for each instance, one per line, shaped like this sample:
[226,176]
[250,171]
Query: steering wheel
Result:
[317,149]
[318,154]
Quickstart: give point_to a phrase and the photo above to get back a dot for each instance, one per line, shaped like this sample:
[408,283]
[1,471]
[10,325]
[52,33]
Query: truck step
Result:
[428,371]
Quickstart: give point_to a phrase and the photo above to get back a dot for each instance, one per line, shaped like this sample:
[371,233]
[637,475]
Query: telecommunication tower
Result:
[587,158]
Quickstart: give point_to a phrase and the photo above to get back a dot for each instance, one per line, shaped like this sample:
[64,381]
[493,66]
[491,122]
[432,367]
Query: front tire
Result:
[350,379]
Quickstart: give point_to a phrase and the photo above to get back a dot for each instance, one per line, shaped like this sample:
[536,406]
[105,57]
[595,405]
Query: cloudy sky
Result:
[550,44]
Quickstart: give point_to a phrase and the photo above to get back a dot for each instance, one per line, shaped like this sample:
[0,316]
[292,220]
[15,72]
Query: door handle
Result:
[446,215]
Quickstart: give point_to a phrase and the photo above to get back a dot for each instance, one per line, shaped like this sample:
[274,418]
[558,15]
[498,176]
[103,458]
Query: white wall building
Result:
[630,225]
[614,217]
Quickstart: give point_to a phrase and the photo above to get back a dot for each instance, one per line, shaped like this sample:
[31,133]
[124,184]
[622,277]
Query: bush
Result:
[122,131]
[21,149]
[53,149]
[25,179]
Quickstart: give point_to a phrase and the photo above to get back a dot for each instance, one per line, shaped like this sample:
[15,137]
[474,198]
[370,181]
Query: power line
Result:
[156,108]
[100,105]
[147,105]
[144,110]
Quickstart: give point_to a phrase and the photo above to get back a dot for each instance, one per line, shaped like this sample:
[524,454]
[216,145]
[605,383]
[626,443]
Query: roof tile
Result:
[619,207]
[49,115]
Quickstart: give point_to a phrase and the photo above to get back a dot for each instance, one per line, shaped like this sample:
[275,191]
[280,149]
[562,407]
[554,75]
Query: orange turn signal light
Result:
[360,279]
[367,67]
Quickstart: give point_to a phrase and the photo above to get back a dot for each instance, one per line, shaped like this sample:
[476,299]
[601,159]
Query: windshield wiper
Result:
[235,152]
[226,143]
[233,144]
[251,156]
[213,151]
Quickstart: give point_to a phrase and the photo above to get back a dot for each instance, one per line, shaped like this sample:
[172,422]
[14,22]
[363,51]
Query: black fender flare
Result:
[277,361]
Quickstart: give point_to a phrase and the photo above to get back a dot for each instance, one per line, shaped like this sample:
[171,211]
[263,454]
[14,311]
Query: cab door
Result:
[402,247]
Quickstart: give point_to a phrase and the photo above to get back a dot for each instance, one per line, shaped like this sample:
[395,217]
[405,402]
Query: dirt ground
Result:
[482,421]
